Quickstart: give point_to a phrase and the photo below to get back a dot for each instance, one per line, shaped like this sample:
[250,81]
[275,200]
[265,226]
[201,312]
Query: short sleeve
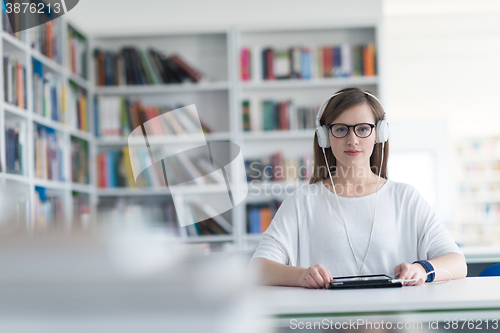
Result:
[434,240]
[280,241]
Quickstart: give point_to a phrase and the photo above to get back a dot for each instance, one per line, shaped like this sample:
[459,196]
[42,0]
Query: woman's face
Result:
[344,149]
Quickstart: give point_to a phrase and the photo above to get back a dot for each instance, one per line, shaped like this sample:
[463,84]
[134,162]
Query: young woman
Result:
[351,219]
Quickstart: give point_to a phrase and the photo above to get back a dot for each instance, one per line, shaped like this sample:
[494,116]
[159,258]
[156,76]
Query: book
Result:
[136,66]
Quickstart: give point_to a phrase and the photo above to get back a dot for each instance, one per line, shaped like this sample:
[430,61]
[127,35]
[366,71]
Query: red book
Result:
[245,64]
[327,61]
[284,116]
[100,170]
[270,64]
[49,39]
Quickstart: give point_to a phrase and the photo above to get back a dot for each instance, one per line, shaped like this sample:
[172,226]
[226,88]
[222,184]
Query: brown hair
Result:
[348,98]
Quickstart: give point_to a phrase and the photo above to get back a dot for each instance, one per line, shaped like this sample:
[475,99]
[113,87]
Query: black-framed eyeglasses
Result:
[362,130]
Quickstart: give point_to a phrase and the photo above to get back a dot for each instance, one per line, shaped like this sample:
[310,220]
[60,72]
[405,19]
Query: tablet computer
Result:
[365,281]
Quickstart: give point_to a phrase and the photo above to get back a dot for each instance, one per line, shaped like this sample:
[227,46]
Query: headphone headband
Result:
[323,106]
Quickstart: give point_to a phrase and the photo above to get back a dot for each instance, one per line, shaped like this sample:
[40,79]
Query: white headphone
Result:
[382,128]
[324,142]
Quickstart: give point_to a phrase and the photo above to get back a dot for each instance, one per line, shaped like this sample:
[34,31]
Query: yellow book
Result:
[83,112]
[128,168]
[63,104]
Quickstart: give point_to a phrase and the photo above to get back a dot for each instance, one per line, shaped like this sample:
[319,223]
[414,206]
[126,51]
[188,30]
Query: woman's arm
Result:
[269,272]
[272,273]
[451,262]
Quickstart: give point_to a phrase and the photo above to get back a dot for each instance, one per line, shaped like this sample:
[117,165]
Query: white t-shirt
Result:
[308,230]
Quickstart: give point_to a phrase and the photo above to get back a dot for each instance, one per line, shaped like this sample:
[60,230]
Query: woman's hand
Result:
[316,277]
[411,271]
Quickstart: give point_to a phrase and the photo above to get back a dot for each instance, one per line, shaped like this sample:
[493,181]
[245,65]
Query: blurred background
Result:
[75,88]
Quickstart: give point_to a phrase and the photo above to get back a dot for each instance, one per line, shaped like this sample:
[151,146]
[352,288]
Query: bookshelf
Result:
[478,203]
[216,53]
[209,52]
[32,118]
[296,88]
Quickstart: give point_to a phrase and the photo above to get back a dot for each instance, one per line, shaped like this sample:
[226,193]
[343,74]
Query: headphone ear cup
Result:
[382,131]
[322,134]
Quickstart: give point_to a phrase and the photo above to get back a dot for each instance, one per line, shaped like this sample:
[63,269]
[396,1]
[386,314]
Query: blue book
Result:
[96,117]
[305,64]
[53,102]
[254,222]
[41,193]
[337,61]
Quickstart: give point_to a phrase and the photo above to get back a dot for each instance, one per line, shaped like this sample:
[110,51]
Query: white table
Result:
[475,298]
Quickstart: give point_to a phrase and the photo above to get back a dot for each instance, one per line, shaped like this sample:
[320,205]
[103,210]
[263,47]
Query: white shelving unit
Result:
[24,184]
[210,51]
[477,213]
[303,92]
[216,53]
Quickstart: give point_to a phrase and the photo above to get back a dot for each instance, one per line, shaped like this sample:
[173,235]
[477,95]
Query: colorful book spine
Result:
[277,167]
[133,66]
[79,161]
[46,37]
[78,108]
[49,94]
[273,115]
[15,146]
[260,215]
[14,82]
[118,117]
[343,60]
[245,67]
[77,51]
[48,153]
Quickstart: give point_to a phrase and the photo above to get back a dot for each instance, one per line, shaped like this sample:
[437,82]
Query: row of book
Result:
[14,82]
[48,93]
[115,170]
[260,215]
[15,146]
[81,209]
[48,153]
[77,47]
[271,115]
[77,105]
[123,211]
[79,161]
[489,146]
[48,210]
[55,100]
[279,168]
[47,38]
[7,27]
[164,215]
[118,117]
[135,66]
[216,225]
[298,62]
[482,213]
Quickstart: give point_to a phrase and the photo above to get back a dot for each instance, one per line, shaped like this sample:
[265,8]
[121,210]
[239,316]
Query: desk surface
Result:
[478,295]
